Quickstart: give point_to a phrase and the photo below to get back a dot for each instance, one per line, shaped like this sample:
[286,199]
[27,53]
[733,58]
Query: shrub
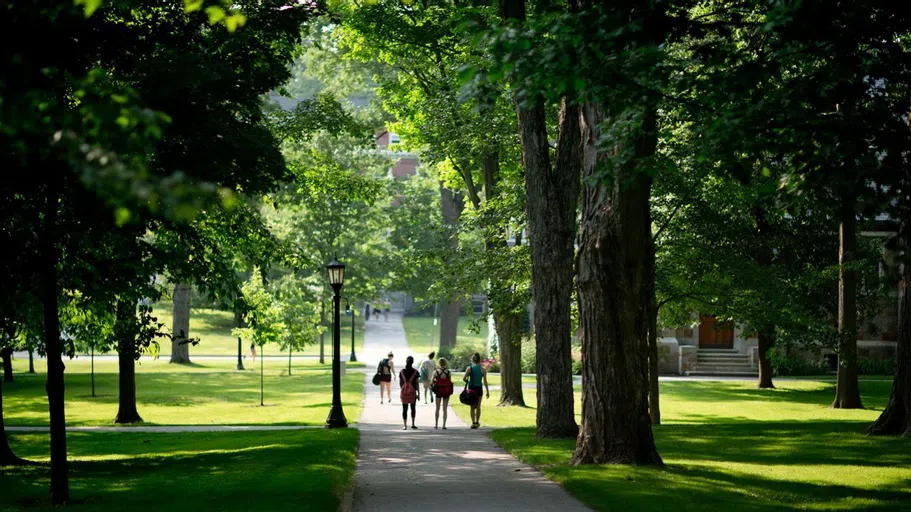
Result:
[491,364]
[577,367]
[529,357]
[460,357]
[876,366]
[784,366]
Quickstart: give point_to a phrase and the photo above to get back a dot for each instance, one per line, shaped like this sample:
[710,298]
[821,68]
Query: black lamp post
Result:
[336,279]
[350,311]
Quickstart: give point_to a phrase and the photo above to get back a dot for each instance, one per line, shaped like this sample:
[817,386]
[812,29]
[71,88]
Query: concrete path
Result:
[173,428]
[456,469]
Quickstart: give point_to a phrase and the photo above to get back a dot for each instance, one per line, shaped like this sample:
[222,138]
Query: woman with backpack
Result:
[442,388]
[475,376]
[408,381]
[385,370]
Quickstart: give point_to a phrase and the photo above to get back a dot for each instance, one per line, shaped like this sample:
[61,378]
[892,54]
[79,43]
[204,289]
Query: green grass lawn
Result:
[298,470]
[424,337]
[213,327]
[197,394]
[730,446]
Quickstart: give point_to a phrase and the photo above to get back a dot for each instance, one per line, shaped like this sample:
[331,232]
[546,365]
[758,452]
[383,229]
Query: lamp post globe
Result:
[336,417]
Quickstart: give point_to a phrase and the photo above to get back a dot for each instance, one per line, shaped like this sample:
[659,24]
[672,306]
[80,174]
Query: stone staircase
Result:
[722,362]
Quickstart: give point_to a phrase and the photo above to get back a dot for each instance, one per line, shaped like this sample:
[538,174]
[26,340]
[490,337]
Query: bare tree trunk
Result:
[766,334]
[7,457]
[896,417]
[180,349]
[847,390]
[126,358]
[54,386]
[508,322]
[612,289]
[7,355]
[552,196]
[31,360]
[453,204]
[509,333]
[766,342]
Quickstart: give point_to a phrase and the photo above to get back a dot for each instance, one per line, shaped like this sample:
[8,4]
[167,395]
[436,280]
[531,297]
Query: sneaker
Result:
[474,426]
[381,402]
[404,428]
[414,427]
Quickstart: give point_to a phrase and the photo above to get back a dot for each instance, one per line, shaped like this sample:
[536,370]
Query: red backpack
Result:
[444,384]
[408,394]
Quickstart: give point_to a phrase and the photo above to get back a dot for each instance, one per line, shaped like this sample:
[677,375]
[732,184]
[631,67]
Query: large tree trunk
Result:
[766,342]
[7,355]
[847,391]
[31,360]
[54,386]
[552,196]
[453,204]
[654,405]
[765,257]
[126,358]
[508,322]
[613,295]
[180,349]
[7,457]
[896,417]
[509,334]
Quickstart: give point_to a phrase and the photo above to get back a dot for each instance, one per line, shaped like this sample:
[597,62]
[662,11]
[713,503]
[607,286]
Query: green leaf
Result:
[122,215]
[88,6]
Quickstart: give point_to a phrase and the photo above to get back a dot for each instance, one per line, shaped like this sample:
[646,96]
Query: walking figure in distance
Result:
[253,352]
[475,376]
[408,381]
[367,312]
[442,386]
[427,369]
[386,369]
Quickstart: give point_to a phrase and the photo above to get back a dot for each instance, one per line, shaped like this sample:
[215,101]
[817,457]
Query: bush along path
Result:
[451,469]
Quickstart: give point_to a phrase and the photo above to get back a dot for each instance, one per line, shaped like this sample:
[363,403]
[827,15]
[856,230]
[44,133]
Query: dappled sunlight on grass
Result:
[192,471]
[728,445]
[185,396]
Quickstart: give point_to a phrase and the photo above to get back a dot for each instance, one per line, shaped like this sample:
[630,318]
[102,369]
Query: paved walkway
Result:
[456,469]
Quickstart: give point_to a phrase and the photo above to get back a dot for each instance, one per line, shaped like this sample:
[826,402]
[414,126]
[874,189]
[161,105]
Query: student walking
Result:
[386,369]
[427,369]
[367,312]
[442,387]
[475,376]
[253,352]
[408,381]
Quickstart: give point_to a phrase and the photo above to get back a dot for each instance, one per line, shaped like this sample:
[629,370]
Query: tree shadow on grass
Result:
[874,394]
[699,475]
[239,471]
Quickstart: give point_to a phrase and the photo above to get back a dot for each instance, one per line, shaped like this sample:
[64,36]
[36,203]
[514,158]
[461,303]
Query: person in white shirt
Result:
[427,369]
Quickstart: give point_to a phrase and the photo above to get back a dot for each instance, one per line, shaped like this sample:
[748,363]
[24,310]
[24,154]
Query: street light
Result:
[336,417]
[349,311]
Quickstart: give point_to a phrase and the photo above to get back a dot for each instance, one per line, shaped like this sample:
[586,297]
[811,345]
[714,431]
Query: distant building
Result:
[406,164]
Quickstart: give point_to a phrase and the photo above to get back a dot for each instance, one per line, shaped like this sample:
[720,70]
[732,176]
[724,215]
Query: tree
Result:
[91,325]
[552,196]
[180,351]
[264,318]
[299,309]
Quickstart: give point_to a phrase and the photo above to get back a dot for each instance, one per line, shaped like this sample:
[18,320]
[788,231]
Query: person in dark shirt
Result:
[408,381]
